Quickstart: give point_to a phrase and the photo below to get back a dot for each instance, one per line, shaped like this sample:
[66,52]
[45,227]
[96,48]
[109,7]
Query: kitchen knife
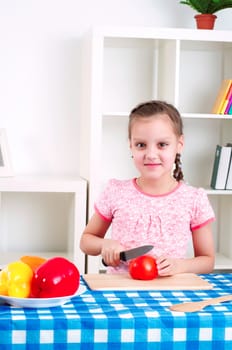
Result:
[133,253]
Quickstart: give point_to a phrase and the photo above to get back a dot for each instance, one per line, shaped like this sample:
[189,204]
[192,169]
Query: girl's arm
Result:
[203,260]
[93,242]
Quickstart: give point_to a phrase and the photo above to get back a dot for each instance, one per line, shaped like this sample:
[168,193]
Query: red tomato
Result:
[56,277]
[143,268]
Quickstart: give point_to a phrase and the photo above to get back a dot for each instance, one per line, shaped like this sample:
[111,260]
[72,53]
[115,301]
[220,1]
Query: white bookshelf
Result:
[47,216]
[125,66]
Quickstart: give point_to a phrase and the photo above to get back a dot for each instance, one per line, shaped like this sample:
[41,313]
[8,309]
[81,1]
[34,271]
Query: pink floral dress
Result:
[166,221]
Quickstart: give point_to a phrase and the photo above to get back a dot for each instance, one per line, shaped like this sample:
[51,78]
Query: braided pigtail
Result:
[177,173]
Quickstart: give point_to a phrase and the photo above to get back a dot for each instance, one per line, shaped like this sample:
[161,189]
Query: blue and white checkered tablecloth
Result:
[138,320]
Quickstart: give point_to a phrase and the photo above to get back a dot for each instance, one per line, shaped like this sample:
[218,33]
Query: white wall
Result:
[40,45]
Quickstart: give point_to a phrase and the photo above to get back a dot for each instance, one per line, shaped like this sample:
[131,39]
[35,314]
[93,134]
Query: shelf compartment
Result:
[128,74]
[207,62]
[42,216]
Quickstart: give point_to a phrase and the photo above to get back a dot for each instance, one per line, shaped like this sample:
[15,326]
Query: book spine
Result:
[229,175]
[230,110]
[215,166]
[221,96]
[228,105]
[221,166]
[224,105]
[227,100]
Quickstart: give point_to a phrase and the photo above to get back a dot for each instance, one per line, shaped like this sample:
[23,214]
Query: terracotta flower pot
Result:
[205,21]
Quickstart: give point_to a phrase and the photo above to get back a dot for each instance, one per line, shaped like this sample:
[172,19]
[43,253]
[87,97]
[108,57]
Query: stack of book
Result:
[222,168]
[223,102]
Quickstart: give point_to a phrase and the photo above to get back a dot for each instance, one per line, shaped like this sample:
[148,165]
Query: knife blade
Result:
[133,253]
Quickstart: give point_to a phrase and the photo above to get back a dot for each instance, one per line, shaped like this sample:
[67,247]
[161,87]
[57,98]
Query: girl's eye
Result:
[140,145]
[163,144]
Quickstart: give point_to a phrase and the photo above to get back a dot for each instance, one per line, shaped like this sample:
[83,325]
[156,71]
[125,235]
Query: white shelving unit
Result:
[52,209]
[125,66]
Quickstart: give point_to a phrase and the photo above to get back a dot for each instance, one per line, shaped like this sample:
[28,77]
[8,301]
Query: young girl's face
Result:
[154,146]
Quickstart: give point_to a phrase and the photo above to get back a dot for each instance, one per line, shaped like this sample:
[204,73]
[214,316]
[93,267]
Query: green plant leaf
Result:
[208,6]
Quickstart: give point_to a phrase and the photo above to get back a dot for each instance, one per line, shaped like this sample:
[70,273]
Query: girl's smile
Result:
[152,165]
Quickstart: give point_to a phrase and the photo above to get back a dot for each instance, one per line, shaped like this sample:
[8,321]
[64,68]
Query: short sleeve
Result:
[103,204]
[203,211]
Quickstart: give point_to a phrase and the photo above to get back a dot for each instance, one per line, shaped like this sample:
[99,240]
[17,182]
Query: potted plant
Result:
[206,11]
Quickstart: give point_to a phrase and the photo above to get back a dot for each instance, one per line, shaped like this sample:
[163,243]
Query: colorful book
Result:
[221,166]
[228,105]
[227,101]
[230,110]
[221,96]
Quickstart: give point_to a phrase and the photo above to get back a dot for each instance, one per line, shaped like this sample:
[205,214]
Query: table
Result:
[138,320]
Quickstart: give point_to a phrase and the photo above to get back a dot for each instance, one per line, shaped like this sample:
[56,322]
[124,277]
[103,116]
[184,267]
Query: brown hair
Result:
[151,108]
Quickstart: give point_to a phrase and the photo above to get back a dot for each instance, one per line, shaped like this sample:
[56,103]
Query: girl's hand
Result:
[110,252]
[169,266]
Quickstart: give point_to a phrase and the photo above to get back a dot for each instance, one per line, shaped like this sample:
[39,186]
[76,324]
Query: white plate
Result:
[40,302]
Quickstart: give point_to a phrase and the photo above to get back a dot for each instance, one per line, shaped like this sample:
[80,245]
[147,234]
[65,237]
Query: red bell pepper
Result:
[57,277]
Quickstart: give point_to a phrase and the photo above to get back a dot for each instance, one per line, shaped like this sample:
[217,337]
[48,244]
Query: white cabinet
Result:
[42,216]
[125,66]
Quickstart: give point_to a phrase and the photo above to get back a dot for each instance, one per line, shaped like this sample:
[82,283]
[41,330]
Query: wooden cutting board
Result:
[185,281]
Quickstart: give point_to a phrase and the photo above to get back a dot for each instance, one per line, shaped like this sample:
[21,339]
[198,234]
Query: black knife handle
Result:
[103,263]
[122,256]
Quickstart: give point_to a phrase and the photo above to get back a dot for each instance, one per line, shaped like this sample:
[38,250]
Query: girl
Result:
[157,207]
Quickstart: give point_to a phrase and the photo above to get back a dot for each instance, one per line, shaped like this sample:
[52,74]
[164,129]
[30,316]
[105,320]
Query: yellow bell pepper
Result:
[15,280]
[3,283]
